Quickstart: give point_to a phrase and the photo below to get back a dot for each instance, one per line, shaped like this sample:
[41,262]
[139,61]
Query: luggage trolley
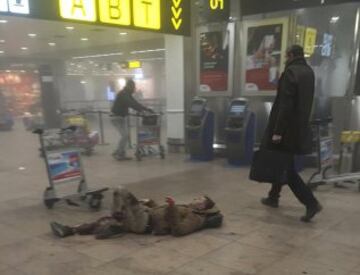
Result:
[326,163]
[64,166]
[148,136]
[82,137]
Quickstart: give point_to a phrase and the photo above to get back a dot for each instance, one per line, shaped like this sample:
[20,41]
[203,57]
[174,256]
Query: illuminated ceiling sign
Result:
[168,16]
[117,12]
[215,10]
[15,6]
[82,10]
[134,64]
[216,4]
[4,6]
[165,16]
[147,14]
[176,10]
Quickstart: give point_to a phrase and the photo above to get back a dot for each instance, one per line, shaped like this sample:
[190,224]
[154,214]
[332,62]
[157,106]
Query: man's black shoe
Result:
[214,221]
[311,212]
[60,230]
[270,202]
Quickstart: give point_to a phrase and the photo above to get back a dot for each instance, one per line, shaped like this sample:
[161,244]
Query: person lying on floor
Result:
[130,215]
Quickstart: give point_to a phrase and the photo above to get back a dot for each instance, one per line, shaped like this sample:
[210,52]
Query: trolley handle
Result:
[41,131]
[146,114]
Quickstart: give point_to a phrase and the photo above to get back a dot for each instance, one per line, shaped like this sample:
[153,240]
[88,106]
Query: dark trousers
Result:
[302,192]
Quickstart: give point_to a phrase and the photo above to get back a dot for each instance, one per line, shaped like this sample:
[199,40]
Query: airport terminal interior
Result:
[201,78]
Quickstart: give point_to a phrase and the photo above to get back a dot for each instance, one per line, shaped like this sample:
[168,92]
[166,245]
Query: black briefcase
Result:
[271,166]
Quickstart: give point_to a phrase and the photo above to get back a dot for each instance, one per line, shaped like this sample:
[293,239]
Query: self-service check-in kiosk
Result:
[240,133]
[200,131]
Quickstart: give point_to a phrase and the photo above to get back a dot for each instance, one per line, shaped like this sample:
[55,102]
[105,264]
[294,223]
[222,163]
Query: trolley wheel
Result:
[49,203]
[49,199]
[95,201]
[162,152]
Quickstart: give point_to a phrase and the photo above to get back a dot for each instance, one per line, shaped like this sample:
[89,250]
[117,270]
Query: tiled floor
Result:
[253,240]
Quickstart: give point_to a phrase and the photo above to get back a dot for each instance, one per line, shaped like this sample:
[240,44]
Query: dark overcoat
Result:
[291,112]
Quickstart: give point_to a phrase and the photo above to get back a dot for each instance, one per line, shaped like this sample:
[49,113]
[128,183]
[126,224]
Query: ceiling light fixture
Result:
[69,28]
[84,39]
[52,44]
[334,19]
[98,55]
[123,33]
[2,52]
[148,51]
[2,41]
[3,21]
[24,48]
[32,34]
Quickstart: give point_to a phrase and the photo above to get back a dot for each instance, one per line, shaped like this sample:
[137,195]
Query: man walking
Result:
[289,127]
[120,112]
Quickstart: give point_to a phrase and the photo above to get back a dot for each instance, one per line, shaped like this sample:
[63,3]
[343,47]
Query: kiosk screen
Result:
[237,110]
[197,107]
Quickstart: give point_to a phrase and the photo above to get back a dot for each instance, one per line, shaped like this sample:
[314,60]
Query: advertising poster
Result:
[327,46]
[266,47]
[214,62]
[310,41]
[64,166]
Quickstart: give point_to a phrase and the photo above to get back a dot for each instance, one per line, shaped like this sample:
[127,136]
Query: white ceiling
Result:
[68,43]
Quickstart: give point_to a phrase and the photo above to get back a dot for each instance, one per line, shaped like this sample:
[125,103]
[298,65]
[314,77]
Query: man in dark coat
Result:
[120,112]
[289,127]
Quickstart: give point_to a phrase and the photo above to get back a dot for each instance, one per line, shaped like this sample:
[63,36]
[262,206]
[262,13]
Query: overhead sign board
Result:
[166,16]
[15,6]
[134,64]
[82,10]
[214,10]
[115,12]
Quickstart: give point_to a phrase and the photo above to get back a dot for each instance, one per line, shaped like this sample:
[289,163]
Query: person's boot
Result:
[311,212]
[214,221]
[270,202]
[60,230]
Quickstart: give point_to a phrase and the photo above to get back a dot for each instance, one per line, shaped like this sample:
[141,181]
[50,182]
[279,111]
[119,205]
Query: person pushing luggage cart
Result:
[120,112]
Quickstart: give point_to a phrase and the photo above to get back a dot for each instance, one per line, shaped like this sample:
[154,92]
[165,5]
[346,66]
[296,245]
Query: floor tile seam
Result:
[314,261]
[113,260]
[263,248]
[213,250]
[331,226]
[344,244]
[320,235]
[196,260]
[230,243]
[259,271]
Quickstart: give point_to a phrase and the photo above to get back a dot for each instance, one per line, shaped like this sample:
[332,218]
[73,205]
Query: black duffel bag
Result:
[271,166]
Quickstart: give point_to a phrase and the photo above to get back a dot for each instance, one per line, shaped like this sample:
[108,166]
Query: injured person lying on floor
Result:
[130,215]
